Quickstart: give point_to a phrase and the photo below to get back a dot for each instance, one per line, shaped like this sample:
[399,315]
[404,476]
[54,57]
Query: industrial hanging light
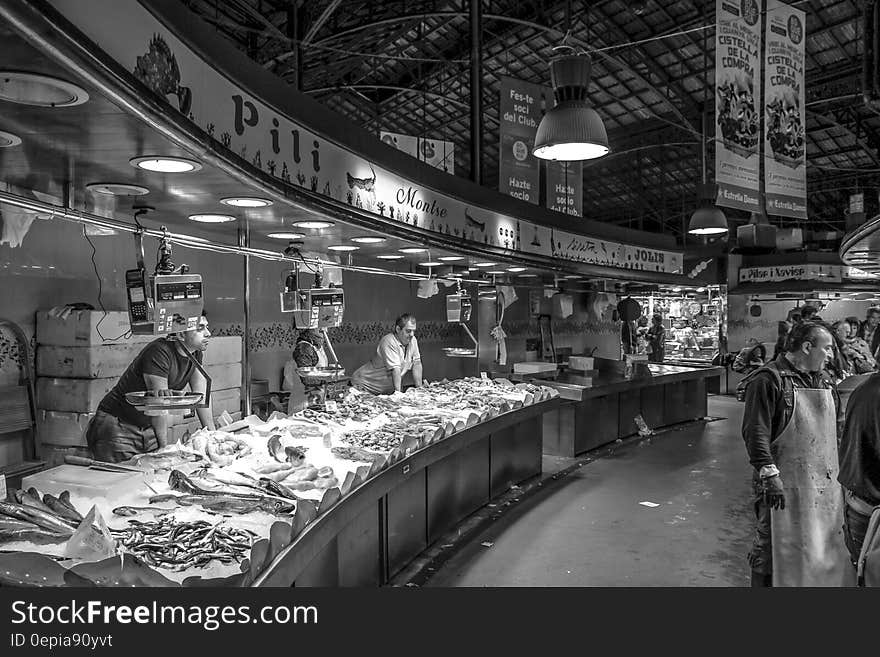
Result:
[572,130]
[707,219]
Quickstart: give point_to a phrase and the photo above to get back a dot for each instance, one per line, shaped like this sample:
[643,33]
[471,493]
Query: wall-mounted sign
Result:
[520,110]
[776,273]
[565,187]
[856,274]
[737,103]
[785,138]
[265,138]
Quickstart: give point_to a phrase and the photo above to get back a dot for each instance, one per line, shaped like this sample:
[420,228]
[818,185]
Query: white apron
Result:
[807,535]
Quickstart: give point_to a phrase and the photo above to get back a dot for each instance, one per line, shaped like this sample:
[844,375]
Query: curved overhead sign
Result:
[286,149]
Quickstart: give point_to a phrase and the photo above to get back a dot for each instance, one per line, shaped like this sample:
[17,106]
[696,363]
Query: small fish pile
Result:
[46,519]
[180,546]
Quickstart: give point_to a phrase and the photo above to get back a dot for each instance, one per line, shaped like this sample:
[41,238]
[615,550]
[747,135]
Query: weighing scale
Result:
[458,311]
[317,308]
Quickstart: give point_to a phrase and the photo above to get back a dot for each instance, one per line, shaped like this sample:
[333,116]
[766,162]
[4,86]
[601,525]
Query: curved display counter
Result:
[372,533]
[603,412]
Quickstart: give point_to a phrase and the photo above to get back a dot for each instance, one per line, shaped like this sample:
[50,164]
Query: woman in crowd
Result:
[855,349]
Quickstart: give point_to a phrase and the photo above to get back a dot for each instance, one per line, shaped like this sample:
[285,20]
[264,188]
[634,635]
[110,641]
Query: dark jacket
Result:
[859,451]
[766,412]
[875,339]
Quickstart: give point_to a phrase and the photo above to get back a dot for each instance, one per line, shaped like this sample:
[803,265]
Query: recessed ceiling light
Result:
[8,140]
[390,256]
[286,236]
[516,269]
[368,239]
[451,258]
[430,263]
[412,249]
[211,218]
[165,164]
[571,277]
[485,264]
[117,189]
[39,90]
[528,276]
[313,224]
[342,247]
[246,202]
[495,271]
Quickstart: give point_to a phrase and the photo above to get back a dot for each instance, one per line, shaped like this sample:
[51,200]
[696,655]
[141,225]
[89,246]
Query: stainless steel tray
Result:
[177,399]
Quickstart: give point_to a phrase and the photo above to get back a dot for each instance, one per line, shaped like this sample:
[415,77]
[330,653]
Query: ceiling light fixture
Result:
[451,258]
[412,249]
[707,219]
[117,189]
[286,236]
[342,247]
[390,256]
[572,130]
[246,202]
[516,270]
[8,140]
[313,224]
[496,272]
[431,263]
[485,264]
[368,239]
[165,164]
[211,218]
[527,276]
[39,90]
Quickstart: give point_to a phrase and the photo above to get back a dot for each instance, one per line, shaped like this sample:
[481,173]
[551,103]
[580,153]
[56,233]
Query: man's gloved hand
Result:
[774,493]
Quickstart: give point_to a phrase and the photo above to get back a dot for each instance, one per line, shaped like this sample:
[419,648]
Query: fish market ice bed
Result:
[340,497]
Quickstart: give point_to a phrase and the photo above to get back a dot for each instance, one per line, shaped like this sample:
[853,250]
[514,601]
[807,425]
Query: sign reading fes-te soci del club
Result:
[264,137]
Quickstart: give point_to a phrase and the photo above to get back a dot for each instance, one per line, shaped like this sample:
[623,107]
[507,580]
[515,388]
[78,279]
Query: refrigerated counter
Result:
[593,415]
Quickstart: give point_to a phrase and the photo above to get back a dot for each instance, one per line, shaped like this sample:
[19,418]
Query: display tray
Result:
[177,399]
[460,352]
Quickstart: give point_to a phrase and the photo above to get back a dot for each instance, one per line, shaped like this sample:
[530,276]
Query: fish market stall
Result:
[346,495]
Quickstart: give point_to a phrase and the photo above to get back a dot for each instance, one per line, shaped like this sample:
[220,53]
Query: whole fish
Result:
[61,509]
[34,535]
[236,504]
[134,510]
[29,514]
[9,523]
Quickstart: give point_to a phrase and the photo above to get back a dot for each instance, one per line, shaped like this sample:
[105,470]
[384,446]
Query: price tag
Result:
[484,376]
[330,406]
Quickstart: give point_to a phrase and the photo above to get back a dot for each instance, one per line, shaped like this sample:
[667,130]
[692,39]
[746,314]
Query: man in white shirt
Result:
[396,354]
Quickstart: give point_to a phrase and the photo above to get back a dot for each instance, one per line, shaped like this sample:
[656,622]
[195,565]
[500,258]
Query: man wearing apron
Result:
[790,431]
[396,354]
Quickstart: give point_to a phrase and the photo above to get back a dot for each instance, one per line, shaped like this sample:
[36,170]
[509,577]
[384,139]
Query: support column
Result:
[476,15]
[244,239]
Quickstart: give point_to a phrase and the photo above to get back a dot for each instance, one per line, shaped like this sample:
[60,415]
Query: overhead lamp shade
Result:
[572,130]
[708,220]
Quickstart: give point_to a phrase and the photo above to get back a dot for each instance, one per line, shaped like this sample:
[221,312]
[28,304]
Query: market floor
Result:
[590,528]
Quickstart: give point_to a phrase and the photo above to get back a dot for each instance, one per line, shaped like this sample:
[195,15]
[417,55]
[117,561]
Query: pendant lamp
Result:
[708,219]
[572,130]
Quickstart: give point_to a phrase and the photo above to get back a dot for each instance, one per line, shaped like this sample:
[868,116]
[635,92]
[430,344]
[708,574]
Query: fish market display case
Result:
[391,476]
[603,411]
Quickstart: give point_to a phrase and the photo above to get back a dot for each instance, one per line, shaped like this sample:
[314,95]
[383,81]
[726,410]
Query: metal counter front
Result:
[368,536]
[592,416]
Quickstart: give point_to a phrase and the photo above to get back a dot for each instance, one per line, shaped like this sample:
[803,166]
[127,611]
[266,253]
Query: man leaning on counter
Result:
[119,431]
[396,354]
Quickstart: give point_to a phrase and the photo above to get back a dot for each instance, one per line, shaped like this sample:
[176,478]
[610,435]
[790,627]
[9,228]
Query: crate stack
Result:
[77,366]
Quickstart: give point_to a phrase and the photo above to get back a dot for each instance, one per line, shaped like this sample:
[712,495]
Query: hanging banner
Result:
[738,94]
[565,187]
[785,145]
[519,172]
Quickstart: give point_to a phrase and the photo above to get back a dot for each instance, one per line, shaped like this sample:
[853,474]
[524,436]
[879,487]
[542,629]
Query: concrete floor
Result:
[588,528]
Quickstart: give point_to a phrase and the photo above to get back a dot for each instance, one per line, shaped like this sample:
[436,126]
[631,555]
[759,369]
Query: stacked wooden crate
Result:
[77,366]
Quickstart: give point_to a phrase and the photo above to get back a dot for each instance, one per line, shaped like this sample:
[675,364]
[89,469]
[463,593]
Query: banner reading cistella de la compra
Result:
[737,103]
[785,146]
